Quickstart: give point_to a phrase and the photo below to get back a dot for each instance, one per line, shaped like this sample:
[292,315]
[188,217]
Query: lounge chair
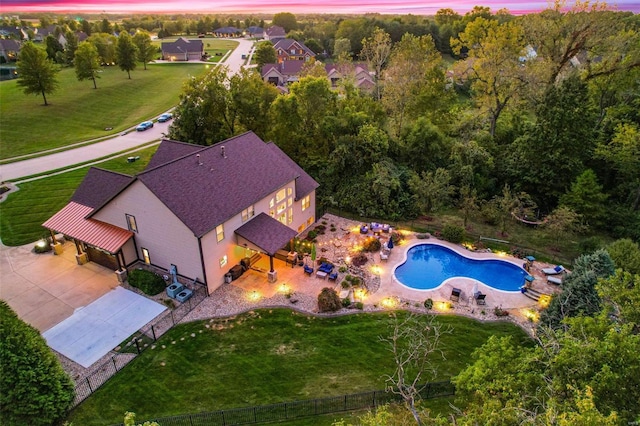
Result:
[480,298]
[455,294]
[384,255]
[554,280]
[333,276]
[308,270]
[553,271]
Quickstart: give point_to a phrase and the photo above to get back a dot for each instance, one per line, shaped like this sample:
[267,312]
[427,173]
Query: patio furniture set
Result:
[375,227]
[325,270]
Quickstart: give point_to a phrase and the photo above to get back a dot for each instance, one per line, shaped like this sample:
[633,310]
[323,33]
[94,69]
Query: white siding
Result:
[168,240]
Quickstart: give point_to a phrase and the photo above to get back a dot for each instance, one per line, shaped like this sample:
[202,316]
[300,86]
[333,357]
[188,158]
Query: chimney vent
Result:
[199,162]
[224,154]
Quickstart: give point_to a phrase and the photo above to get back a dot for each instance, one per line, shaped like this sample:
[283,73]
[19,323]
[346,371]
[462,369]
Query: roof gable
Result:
[209,187]
[169,150]
[182,45]
[98,186]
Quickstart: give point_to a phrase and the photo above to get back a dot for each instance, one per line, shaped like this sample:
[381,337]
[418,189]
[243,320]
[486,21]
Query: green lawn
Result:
[264,357]
[23,212]
[78,112]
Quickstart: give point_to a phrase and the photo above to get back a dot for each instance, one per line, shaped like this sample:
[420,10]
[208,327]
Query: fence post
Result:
[89,384]
[153,332]
[255,415]
[137,346]
[191,420]
[374,399]
[345,403]
[114,363]
[172,320]
[224,422]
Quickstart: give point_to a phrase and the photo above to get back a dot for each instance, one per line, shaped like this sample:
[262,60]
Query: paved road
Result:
[122,142]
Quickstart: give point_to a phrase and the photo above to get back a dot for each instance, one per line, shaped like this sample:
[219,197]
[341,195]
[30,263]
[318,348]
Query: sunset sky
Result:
[416,7]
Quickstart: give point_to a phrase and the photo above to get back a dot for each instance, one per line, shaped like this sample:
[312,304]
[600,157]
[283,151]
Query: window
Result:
[146,257]
[289,192]
[131,223]
[290,216]
[223,261]
[310,220]
[247,213]
[290,202]
[283,218]
[220,233]
[280,195]
[272,213]
[301,228]
[293,51]
[306,203]
[282,207]
[272,202]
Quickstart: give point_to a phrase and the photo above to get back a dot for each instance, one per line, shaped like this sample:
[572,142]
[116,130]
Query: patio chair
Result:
[480,298]
[455,294]
[553,271]
[333,276]
[364,229]
[308,270]
[384,255]
[554,280]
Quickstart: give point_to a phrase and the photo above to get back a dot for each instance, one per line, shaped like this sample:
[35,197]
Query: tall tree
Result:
[252,99]
[71,47]
[492,64]
[376,50]
[431,190]
[146,50]
[87,63]
[126,53]
[106,45]
[265,54]
[285,20]
[586,198]
[36,73]
[35,389]
[53,46]
[342,48]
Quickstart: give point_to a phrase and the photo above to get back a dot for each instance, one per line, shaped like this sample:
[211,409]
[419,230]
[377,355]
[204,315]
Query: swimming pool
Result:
[429,265]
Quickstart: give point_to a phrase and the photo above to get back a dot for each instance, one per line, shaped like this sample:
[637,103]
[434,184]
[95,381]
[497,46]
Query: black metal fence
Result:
[298,409]
[142,340]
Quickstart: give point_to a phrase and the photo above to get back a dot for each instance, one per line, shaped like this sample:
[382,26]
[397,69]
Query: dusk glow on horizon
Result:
[404,7]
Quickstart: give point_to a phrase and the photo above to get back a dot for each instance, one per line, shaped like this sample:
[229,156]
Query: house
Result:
[9,50]
[289,49]
[42,33]
[199,209]
[288,72]
[255,32]
[182,50]
[274,33]
[227,32]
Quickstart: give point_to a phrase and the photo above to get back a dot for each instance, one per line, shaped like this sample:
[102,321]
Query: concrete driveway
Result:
[44,289]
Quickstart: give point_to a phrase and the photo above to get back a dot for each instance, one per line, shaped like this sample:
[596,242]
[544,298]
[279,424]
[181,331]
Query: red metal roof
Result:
[71,221]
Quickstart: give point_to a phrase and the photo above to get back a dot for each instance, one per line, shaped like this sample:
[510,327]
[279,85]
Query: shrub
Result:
[328,300]
[499,312]
[343,269]
[371,244]
[589,245]
[428,303]
[35,389]
[359,259]
[453,233]
[345,284]
[147,281]
[397,237]
[518,252]
[346,302]
[312,235]
[359,305]
[353,281]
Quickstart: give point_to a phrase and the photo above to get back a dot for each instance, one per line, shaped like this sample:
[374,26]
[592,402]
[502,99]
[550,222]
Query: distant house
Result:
[274,33]
[227,32]
[198,210]
[9,50]
[42,33]
[80,35]
[289,49]
[255,32]
[287,72]
[12,32]
[182,50]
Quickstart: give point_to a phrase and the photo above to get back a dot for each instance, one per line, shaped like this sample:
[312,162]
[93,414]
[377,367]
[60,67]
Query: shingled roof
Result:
[182,46]
[266,233]
[209,186]
[287,43]
[98,186]
[170,150]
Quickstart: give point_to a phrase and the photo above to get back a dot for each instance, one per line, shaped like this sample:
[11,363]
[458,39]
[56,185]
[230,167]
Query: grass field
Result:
[23,212]
[78,112]
[264,357]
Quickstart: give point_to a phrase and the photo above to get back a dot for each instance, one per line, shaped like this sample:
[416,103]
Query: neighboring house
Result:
[15,33]
[288,72]
[200,209]
[81,36]
[182,50]
[255,32]
[274,33]
[227,32]
[9,50]
[42,33]
[289,49]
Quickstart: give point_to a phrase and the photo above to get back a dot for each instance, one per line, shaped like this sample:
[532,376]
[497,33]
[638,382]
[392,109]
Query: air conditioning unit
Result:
[174,289]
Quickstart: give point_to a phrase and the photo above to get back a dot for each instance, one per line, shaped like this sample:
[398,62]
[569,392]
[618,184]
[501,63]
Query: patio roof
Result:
[72,221]
[266,233]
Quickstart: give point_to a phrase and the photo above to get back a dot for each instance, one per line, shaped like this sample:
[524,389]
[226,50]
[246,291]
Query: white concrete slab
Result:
[92,331]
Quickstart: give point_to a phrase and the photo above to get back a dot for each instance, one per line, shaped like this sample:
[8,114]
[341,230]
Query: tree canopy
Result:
[36,73]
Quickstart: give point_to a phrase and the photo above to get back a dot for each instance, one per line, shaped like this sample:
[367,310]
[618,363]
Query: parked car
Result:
[144,126]
[165,117]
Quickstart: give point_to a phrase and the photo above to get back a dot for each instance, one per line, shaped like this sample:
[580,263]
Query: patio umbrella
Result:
[390,244]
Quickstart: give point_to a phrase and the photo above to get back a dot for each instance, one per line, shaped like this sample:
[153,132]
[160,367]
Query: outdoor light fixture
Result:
[443,306]
[284,288]
[360,294]
[389,303]
[42,243]
[531,314]
[254,296]
[376,269]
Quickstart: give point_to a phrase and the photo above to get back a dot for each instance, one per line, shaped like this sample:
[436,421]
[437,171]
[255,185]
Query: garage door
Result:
[102,258]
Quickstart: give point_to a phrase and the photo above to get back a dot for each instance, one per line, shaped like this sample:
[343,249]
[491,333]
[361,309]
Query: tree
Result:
[285,20]
[586,198]
[35,388]
[468,203]
[106,45]
[251,98]
[36,73]
[265,54]
[342,48]
[492,65]
[625,254]
[87,63]
[376,50]
[126,53]
[53,46]
[130,420]
[622,292]
[146,50]
[413,342]
[431,190]
[510,203]
[71,47]
[561,222]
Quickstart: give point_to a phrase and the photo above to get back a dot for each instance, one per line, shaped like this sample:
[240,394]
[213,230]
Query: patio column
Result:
[270,263]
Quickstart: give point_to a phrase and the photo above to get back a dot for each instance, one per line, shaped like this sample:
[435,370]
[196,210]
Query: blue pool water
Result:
[428,265]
